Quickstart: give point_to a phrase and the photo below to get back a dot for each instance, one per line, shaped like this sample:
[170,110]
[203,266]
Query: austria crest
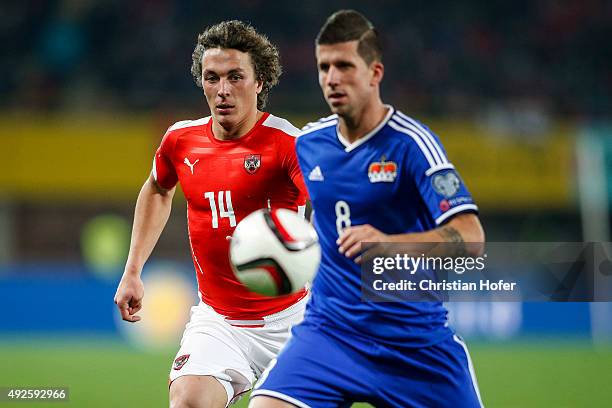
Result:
[252,162]
[180,361]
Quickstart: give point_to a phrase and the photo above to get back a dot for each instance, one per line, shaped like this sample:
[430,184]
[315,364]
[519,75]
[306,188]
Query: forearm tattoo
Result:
[451,235]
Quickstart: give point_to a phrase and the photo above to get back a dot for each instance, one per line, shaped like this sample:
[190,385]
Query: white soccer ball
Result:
[274,252]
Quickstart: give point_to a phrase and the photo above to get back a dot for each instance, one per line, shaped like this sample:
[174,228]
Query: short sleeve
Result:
[163,167]
[441,188]
[295,173]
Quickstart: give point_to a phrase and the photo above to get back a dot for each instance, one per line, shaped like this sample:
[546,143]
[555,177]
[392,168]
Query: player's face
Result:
[348,83]
[230,86]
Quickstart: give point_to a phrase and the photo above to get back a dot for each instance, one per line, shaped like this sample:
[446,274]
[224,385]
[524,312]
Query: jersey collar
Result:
[254,129]
[349,147]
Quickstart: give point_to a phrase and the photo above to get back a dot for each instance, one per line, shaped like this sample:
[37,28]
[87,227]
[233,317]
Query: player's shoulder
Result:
[183,125]
[319,124]
[179,128]
[312,129]
[418,138]
[283,126]
[404,125]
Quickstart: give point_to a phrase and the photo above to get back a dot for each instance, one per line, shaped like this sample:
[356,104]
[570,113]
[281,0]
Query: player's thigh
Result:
[436,376]
[469,389]
[210,348]
[263,401]
[265,343]
[313,370]
[458,387]
[197,391]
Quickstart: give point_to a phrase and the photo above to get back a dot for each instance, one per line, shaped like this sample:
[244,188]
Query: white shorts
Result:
[236,356]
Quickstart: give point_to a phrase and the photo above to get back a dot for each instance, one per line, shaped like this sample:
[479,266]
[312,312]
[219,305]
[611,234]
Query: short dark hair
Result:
[243,37]
[350,25]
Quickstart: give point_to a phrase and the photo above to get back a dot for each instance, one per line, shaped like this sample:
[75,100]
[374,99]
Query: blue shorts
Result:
[322,368]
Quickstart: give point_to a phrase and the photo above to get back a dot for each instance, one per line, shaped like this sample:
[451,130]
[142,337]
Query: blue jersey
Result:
[396,178]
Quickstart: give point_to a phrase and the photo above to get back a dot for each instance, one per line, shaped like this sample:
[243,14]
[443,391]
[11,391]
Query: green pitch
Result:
[110,374]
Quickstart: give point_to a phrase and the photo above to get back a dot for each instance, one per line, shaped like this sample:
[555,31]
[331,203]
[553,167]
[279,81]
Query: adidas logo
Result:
[316,174]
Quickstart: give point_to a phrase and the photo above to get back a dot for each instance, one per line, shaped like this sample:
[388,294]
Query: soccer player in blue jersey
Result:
[373,175]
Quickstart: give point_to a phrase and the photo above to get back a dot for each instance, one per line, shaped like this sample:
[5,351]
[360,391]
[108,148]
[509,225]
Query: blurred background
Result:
[519,92]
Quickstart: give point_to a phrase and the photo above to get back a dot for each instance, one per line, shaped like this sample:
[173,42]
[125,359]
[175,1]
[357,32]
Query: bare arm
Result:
[464,230]
[150,217]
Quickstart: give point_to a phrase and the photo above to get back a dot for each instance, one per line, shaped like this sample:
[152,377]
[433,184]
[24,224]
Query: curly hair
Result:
[243,37]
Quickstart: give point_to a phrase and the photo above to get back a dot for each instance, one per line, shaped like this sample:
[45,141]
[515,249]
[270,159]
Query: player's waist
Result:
[263,313]
[397,324]
[392,336]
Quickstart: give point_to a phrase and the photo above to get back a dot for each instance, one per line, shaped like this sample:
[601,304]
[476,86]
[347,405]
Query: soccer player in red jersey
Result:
[229,164]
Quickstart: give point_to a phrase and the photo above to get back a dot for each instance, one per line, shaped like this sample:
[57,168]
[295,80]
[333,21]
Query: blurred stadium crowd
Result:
[88,87]
[518,79]
[444,58]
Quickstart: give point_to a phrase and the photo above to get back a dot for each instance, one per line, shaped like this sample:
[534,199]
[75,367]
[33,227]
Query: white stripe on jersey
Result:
[281,124]
[320,126]
[427,140]
[188,123]
[470,367]
[424,132]
[439,167]
[458,209]
[417,139]
[349,147]
[195,258]
[280,396]
[322,120]
[154,171]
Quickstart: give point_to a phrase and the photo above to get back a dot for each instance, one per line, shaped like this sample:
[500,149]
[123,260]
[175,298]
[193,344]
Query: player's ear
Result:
[378,71]
[259,86]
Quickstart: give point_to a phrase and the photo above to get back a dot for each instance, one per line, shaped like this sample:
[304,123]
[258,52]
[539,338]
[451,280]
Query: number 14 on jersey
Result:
[224,199]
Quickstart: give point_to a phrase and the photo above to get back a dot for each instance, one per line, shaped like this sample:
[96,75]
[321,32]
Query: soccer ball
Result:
[274,252]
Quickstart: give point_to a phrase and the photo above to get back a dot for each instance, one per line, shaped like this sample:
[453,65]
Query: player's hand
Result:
[129,297]
[349,242]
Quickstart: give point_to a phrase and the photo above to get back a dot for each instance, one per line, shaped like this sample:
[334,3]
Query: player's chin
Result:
[225,120]
[337,107]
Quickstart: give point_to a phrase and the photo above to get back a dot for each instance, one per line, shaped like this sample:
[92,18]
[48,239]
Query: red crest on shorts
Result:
[180,361]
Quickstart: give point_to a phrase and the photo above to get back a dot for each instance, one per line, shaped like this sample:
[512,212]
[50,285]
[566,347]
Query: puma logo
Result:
[190,165]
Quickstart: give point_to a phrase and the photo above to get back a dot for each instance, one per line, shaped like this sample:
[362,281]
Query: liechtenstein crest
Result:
[252,163]
[383,171]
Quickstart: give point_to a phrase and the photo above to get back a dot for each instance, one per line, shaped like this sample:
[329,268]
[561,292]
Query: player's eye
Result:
[324,67]
[211,78]
[235,77]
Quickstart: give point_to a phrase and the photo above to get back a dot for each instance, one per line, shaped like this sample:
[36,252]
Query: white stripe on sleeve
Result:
[453,211]
[418,140]
[426,133]
[431,144]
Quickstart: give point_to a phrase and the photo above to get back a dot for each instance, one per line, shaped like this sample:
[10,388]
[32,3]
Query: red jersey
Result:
[224,181]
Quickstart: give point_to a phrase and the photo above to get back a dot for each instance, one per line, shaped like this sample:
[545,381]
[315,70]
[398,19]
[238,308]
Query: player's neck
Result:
[235,130]
[354,128]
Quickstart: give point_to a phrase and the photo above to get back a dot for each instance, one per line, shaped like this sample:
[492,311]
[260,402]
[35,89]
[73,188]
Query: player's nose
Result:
[224,87]
[333,77]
